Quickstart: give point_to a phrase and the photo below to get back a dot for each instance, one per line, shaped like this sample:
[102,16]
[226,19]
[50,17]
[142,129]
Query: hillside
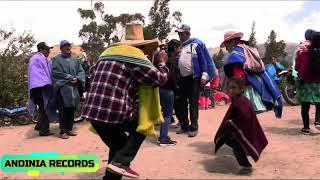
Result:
[76,51]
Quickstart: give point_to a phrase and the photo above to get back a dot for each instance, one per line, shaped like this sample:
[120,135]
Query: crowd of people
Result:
[137,84]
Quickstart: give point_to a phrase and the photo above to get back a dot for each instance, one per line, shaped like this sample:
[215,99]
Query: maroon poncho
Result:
[241,120]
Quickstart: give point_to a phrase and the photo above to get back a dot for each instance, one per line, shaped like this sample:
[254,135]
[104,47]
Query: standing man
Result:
[68,79]
[196,69]
[39,88]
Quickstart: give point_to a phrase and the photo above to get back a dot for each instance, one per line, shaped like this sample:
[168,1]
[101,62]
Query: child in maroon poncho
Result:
[240,128]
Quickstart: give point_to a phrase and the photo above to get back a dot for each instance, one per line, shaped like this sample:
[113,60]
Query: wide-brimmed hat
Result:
[134,37]
[231,35]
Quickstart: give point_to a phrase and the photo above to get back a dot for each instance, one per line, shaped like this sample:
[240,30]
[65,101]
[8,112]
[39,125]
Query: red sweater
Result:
[303,66]
[238,71]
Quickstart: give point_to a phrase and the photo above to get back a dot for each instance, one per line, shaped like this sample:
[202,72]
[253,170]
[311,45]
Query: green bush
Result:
[13,68]
[13,82]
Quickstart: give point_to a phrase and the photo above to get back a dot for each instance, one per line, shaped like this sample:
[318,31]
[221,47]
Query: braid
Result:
[315,56]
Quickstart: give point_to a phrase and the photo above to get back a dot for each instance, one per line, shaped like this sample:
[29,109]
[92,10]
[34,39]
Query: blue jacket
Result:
[261,82]
[203,62]
[272,70]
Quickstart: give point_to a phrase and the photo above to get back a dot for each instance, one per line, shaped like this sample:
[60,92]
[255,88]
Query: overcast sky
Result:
[53,21]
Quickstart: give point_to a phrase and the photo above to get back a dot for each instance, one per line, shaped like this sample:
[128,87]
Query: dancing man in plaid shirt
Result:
[112,103]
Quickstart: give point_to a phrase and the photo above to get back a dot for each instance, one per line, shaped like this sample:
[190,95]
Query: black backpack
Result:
[314,38]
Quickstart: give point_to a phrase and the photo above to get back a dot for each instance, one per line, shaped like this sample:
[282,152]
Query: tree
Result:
[161,24]
[252,39]
[176,19]
[96,35]
[13,66]
[218,59]
[274,48]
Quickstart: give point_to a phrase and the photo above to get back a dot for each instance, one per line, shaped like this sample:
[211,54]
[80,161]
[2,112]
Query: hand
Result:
[203,82]
[74,81]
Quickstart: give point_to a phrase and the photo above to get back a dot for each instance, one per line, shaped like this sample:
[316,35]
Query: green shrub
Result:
[13,68]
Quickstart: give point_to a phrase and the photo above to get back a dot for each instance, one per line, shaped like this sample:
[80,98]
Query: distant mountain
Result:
[76,51]
[290,48]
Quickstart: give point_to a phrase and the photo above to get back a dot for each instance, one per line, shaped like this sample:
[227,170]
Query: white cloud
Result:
[53,21]
[239,15]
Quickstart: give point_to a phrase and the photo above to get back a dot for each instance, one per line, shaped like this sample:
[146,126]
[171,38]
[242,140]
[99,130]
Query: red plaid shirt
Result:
[113,94]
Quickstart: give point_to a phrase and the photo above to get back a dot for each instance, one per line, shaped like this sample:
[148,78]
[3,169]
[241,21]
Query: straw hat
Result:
[134,37]
[231,35]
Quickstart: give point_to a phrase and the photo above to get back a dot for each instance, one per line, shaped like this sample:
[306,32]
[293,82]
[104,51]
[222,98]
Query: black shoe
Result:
[46,134]
[305,131]
[193,133]
[36,128]
[182,131]
[166,142]
[64,136]
[72,133]
[245,170]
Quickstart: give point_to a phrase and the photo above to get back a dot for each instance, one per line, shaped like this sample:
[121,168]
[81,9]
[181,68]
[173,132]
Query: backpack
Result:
[253,62]
[314,49]
[315,60]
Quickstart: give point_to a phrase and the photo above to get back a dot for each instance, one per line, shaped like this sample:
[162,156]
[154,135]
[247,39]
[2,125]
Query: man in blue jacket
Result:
[196,69]
[274,68]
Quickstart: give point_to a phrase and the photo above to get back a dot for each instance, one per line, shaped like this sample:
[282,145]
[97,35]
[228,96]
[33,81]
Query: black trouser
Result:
[209,92]
[212,92]
[190,89]
[43,121]
[66,117]
[238,151]
[122,148]
[305,106]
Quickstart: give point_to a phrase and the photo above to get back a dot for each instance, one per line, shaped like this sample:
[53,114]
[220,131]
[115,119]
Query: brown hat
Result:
[134,37]
[231,35]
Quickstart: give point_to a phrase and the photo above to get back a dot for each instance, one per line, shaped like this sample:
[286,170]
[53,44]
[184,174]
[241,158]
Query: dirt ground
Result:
[289,154]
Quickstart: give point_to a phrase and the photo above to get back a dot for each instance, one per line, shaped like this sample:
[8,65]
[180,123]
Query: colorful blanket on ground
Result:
[241,121]
[149,113]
